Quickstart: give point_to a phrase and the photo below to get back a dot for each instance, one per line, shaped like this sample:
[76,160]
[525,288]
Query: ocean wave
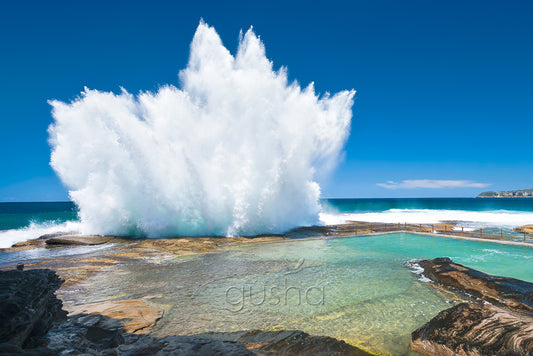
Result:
[468,219]
[35,230]
[237,150]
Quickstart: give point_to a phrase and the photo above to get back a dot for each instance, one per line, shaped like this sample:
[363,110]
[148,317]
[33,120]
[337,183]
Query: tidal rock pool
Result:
[357,289]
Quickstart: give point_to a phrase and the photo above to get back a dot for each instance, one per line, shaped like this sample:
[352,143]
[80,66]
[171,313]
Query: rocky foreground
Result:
[497,320]
[32,322]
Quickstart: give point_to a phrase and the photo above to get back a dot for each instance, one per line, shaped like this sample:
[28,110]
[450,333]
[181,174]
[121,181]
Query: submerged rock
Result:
[136,315]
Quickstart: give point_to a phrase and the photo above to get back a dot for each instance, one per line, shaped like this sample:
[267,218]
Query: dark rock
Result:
[85,332]
[20,266]
[96,334]
[467,329]
[502,291]
[28,308]
[289,342]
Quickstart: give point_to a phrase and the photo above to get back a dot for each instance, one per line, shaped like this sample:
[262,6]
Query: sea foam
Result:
[236,150]
[465,218]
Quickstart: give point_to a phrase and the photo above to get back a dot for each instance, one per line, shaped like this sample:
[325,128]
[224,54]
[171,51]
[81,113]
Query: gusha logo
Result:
[239,297]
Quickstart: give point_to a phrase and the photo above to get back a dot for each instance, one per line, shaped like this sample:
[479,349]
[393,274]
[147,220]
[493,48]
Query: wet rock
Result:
[468,329]
[56,234]
[136,315]
[91,333]
[79,240]
[20,266]
[28,308]
[498,320]
[502,291]
[24,245]
[95,334]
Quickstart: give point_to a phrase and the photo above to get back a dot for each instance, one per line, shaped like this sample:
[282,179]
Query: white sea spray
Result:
[237,149]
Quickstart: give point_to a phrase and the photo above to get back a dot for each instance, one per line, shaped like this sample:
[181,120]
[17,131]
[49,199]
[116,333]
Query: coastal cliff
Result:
[523,193]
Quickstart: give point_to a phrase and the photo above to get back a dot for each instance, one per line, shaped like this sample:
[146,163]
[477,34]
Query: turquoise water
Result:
[19,215]
[469,204]
[357,289]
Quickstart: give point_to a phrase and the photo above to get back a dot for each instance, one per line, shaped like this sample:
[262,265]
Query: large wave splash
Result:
[235,151]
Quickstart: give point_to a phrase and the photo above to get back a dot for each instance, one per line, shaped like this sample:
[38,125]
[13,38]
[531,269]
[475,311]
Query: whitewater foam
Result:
[237,150]
[35,230]
[468,219]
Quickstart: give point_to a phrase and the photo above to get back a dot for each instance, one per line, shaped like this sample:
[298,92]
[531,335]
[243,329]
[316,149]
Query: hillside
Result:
[523,193]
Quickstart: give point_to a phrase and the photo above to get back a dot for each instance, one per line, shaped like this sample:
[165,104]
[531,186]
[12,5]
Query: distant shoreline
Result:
[521,193]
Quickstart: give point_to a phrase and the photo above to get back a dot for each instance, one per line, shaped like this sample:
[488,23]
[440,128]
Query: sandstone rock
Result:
[78,240]
[137,316]
[500,291]
[497,321]
[528,229]
[28,308]
[467,329]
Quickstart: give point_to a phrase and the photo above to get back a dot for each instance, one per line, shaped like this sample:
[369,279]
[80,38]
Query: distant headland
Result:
[523,193]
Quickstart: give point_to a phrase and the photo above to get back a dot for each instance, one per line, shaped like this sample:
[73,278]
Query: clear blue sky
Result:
[444,88]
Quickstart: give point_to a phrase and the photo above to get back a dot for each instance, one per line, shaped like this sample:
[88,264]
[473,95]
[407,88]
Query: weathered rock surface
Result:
[137,316]
[79,240]
[56,234]
[501,291]
[528,229]
[497,321]
[28,308]
[468,329]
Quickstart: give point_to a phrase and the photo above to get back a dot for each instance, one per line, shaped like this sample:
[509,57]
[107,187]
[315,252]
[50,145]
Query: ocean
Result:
[23,221]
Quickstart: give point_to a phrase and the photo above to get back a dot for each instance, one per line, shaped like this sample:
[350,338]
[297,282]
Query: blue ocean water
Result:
[467,213]
[19,215]
[469,204]
[25,221]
